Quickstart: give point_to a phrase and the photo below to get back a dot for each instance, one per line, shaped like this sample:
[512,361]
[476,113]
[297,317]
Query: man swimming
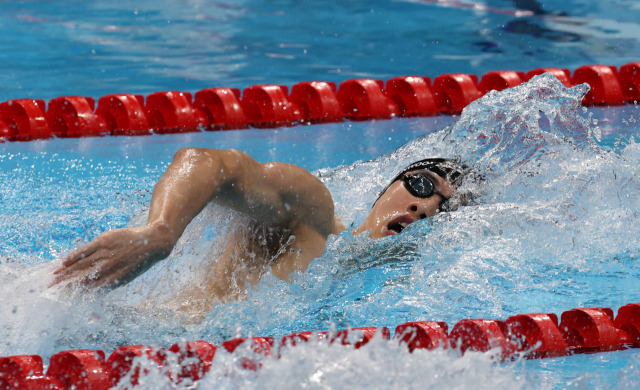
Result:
[291,213]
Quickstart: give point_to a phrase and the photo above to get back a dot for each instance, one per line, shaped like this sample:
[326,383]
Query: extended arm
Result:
[278,194]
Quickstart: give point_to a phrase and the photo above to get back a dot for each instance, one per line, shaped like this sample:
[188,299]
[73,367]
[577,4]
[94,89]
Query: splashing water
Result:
[553,225]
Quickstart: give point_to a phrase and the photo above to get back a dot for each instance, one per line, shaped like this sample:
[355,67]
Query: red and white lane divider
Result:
[536,335]
[273,105]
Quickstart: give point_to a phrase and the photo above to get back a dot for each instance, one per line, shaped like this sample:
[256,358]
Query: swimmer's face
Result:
[397,207]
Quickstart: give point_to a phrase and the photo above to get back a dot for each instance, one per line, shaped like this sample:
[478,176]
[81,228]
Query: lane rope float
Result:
[535,335]
[270,105]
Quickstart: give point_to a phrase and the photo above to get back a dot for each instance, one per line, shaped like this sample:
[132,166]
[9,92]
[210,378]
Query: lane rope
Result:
[270,105]
[535,335]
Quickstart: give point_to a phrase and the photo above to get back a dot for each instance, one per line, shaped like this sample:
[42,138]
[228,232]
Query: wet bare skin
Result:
[398,207]
[293,213]
[247,257]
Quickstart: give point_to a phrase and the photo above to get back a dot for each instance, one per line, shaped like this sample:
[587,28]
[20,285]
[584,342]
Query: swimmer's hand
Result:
[113,258]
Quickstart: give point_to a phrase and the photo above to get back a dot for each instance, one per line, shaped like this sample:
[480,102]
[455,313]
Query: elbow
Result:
[229,157]
[188,154]
[198,158]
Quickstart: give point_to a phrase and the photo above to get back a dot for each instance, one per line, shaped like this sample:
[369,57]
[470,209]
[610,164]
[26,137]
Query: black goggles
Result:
[420,186]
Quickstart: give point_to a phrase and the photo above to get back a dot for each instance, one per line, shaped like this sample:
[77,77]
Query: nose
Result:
[414,209]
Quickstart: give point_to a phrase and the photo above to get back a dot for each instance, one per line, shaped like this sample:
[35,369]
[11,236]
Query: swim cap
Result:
[446,168]
[449,169]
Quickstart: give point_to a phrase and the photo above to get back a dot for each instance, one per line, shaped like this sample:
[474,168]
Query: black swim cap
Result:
[448,169]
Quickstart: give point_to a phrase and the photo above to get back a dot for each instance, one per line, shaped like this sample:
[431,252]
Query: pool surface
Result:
[554,224]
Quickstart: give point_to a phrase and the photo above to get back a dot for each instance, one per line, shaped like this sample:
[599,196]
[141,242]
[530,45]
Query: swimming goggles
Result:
[421,186]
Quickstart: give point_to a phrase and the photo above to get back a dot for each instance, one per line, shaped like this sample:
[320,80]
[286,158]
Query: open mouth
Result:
[397,225]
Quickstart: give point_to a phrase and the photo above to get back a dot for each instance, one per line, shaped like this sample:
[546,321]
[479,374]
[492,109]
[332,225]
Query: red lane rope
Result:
[536,335]
[271,105]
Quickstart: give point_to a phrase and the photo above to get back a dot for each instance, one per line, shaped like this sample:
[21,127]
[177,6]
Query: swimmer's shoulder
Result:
[310,201]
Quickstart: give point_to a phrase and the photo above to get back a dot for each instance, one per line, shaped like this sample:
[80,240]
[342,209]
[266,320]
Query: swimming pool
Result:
[539,239]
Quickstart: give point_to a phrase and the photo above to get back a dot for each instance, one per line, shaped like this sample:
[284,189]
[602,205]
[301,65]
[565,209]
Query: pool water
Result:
[52,49]
[553,226]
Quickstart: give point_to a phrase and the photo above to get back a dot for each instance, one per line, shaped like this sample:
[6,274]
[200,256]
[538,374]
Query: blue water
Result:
[53,49]
[554,225]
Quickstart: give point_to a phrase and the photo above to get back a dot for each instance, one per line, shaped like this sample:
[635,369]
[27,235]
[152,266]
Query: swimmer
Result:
[292,214]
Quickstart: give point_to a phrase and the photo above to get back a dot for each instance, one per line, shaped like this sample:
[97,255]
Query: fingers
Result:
[67,272]
[104,282]
[83,260]
[93,279]
[80,254]
[113,258]
[64,274]
[89,275]
[104,274]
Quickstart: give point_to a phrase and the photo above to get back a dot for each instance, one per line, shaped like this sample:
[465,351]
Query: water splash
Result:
[553,225]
